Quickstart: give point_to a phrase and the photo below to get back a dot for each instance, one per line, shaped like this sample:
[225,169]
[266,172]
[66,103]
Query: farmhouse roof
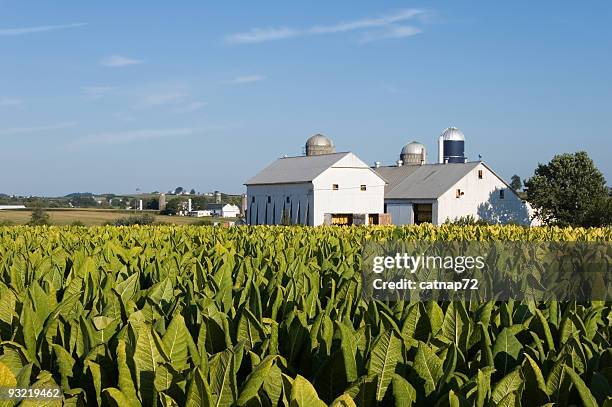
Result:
[428,181]
[298,169]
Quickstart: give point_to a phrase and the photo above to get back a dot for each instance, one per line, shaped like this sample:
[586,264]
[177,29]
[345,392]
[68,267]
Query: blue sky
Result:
[113,96]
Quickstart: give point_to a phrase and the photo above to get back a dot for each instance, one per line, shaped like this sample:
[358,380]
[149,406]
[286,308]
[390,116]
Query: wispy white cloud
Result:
[130,136]
[119,61]
[162,99]
[393,31]
[387,22]
[245,79]
[37,29]
[261,35]
[97,92]
[190,107]
[36,129]
[383,21]
[10,102]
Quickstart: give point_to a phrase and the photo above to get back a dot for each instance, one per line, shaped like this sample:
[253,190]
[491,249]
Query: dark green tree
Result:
[39,217]
[515,183]
[567,190]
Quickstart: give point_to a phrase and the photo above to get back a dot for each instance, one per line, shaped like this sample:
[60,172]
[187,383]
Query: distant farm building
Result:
[11,207]
[321,187]
[223,210]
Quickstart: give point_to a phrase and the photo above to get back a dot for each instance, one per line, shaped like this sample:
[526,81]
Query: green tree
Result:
[515,183]
[567,190]
[39,217]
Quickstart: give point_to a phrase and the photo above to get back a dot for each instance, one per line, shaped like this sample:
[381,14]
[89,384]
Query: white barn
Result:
[436,193]
[223,210]
[322,187]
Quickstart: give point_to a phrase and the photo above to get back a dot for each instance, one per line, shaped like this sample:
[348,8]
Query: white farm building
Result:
[322,187]
[325,187]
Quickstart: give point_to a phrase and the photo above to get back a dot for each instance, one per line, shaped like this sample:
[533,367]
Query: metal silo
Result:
[414,153]
[318,145]
[451,146]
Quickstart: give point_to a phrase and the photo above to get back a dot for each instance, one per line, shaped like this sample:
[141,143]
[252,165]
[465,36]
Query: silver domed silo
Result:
[319,144]
[413,153]
[451,146]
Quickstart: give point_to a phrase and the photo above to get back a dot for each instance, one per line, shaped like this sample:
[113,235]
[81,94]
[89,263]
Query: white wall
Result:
[481,199]
[300,197]
[349,198]
[401,212]
[230,211]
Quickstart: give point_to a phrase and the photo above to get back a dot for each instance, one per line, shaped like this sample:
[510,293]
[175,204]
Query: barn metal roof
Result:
[428,181]
[299,169]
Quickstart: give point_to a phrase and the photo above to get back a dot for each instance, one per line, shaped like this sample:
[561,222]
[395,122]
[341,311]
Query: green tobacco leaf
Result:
[506,350]
[386,353]
[403,392]
[510,383]
[126,382]
[147,355]
[483,386]
[199,393]
[114,397]
[546,328]
[428,366]
[249,330]
[255,380]
[176,342]
[223,379]
[43,381]
[510,400]
[348,346]
[303,394]
[7,380]
[558,384]
[585,394]
[535,385]
[343,401]
[363,391]
[65,364]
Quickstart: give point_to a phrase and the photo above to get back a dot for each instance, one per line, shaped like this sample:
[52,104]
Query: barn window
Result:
[479,174]
[335,187]
[501,194]
[253,199]
[287,199]
[363,187]
[269,199]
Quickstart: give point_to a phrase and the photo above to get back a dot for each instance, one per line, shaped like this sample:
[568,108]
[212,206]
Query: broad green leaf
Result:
[386,353]
[506,350]
[199,394]
[126,382]
[510,383]
[65,364]
[255,380]
[249,330]
[44,380]
[535,385]
[585,394]
[428,366]
[303,394]
[176,342]
[116,398]
[7,380]
[343,401]
[403,392]
[223,379]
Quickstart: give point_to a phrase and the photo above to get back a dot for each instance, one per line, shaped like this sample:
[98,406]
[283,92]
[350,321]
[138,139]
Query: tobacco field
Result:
[274,316]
